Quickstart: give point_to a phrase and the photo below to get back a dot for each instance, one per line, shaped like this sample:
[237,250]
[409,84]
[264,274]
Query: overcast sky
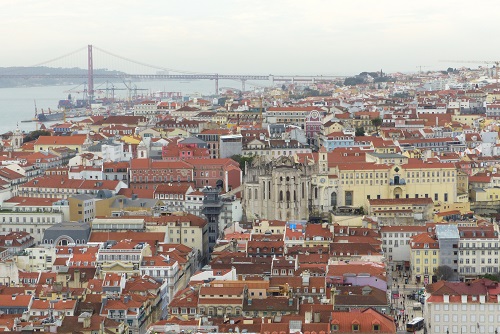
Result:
[328,37]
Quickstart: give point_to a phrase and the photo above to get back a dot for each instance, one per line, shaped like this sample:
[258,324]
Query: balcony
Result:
[397,182]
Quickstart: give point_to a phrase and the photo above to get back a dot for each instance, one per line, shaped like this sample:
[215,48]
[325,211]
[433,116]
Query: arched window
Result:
[316,193]
[256,194]
[281,196]
[295,195]
[288,196]
[333,199]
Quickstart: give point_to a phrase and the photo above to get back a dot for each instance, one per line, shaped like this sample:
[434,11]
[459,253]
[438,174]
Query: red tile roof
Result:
[401,201]
[32,201]
[130,235]
[364,318]
[61,140]
[420,241]
[16,301]
[372,268]
[63,182]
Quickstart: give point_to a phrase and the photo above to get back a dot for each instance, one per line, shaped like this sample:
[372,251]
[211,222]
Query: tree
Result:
[444,273]
[492,277]
[33,135]
[222,101]
[241,160]
[377,122]
[353,81]
[360,132]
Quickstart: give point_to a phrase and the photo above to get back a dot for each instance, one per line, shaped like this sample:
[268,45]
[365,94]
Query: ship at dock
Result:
[66,109]
[46,116]
[50,116]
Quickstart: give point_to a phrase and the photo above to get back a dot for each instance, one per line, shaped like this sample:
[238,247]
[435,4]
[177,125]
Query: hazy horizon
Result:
[254,37]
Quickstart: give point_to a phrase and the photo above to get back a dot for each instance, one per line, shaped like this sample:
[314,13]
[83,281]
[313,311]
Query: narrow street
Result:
[403,306]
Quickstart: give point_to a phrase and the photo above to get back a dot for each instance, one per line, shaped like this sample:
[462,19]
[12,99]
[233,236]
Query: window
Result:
[355,327]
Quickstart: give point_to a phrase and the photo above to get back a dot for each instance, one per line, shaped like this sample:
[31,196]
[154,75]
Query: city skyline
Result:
[279,37]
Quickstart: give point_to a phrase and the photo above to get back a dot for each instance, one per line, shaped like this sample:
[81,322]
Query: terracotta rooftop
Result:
[61,140]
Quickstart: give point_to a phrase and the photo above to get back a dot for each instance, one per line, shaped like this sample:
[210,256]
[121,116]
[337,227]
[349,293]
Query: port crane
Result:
[132,87]
[487,62]
[110,87]
[420,69]
[75,89]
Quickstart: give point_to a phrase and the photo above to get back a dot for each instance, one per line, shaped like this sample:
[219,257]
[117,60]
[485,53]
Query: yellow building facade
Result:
[466,119]
[360,182]
[424,255]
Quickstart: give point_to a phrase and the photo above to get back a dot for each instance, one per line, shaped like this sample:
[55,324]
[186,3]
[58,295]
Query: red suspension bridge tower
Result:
[90,74]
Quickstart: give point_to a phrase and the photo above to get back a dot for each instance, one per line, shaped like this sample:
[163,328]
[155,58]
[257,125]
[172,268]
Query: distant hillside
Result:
[10,82]
[366,77]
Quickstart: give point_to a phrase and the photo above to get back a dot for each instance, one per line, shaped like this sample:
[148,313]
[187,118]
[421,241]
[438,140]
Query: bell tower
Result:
[17,139]
[142,150]
[323,160]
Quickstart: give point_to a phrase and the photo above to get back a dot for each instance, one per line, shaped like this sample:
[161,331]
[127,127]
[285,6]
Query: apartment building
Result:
[478,251]
[459,307]
[396,244]
[424,256]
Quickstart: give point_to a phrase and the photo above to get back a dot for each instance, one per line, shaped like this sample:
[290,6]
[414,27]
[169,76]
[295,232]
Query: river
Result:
[18,104]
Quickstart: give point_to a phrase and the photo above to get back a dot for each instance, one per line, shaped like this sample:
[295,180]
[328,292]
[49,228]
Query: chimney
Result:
[86,322]
[333,292]
[308,317]
[76,278]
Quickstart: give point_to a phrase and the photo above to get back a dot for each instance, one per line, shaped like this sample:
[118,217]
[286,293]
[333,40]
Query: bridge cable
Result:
[148,65]
[52,60]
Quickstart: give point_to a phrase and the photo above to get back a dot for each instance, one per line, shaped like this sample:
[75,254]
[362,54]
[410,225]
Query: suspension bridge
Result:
[162,73]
